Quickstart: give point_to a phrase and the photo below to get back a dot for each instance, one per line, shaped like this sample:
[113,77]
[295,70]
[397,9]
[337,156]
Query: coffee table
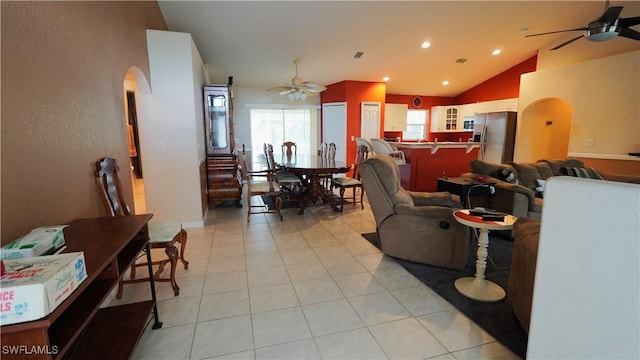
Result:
[478,288]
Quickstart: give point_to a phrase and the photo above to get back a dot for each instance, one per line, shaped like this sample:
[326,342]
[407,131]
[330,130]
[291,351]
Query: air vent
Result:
[358,55]
[461,61]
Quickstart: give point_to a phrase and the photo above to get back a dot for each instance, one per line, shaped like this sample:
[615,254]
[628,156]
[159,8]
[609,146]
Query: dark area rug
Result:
[496,318]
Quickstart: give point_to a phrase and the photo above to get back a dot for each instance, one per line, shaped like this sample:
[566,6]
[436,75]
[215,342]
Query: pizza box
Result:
[40,241]
[31,288]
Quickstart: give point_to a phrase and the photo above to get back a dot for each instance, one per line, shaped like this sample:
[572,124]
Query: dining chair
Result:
[328,152]
[353,183]
[163,234]
[289,148]
[382,147]
[261,183]
[290,183]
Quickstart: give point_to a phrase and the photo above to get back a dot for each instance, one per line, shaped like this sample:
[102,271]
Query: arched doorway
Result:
[135,83]
[544,130]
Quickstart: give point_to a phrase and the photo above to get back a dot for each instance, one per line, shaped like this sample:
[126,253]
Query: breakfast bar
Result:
[428,161]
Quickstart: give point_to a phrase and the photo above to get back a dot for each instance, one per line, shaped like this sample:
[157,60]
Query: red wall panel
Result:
[505,85]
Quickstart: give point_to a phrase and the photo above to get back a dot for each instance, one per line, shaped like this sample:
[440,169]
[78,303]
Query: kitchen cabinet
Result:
[445,118]
[395,117]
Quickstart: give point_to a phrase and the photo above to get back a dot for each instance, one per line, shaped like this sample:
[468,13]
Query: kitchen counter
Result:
[435,146]
[428,161]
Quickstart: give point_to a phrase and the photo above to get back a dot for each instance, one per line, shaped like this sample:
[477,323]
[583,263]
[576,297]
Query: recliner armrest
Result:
[438,212]
[435,199]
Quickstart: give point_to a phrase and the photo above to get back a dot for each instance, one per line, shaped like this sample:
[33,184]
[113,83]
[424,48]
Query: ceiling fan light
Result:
[303,96]
[291,96]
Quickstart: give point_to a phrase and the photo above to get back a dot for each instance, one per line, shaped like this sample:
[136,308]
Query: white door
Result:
[334,127]
[370,120]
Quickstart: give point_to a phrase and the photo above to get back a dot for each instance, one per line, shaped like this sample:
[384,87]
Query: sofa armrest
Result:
[516,200]
[621,178]
[435,199]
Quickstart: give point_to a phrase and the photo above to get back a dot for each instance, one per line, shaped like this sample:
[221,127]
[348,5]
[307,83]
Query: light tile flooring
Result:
[308,287]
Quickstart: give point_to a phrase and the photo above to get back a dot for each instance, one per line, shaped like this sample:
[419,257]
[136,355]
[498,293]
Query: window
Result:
[276,126]
[416,125]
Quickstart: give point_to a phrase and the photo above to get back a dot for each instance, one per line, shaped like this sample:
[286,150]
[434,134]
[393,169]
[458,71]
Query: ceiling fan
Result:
[298,89]
[606,27]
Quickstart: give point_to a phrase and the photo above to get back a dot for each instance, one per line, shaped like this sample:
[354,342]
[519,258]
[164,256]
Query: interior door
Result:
[334,127]
[370,120]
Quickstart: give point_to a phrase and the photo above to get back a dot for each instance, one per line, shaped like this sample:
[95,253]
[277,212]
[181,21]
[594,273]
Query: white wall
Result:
[172,133]
[586,302]
[605,95]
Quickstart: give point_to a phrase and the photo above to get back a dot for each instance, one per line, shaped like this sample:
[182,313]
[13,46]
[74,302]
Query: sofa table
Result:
[478,288]
[465,187]
[78,328]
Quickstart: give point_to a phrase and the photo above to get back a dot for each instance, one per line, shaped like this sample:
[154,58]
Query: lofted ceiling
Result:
[256,42]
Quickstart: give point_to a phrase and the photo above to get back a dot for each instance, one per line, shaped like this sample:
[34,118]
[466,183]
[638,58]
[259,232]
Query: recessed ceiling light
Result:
[496,52]
[425,44]
[385,79]
[445,83]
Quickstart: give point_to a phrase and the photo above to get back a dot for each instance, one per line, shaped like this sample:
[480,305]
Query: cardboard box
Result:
[40,241]
[31,288]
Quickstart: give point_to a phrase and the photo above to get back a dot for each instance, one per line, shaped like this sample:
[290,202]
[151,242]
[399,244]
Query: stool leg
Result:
[183,245]
[172,253]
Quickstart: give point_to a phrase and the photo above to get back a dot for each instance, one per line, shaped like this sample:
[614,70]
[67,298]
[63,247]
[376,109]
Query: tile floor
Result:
[309,287]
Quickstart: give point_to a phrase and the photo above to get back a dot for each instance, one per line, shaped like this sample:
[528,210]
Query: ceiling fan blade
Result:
[610,16]
[313,87]
[558,31]
[566,43]
[629,33]
[280,88]
[628,22]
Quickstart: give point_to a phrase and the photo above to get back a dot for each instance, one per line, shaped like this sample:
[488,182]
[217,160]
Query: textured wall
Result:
[63,67]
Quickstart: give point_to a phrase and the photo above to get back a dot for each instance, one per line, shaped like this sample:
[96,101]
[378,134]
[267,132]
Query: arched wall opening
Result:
[135,84]
[544,130]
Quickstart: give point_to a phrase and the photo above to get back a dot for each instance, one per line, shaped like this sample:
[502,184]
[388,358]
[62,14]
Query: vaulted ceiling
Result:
[256,42]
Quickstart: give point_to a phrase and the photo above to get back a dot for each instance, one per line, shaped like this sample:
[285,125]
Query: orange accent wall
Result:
[354,93]
[505,85]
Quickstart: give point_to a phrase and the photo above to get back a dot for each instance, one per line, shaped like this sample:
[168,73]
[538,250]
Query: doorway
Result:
[133,141]
[544,130]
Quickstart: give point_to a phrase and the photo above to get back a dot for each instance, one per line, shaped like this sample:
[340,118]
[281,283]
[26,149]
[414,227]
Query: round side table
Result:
[478,288]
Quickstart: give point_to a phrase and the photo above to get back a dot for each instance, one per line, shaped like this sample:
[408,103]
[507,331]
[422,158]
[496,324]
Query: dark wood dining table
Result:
[311,169]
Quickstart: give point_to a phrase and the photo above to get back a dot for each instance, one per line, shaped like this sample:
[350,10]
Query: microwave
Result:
[467,124]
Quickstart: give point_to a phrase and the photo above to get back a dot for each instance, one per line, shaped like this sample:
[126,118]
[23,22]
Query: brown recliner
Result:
[413,226]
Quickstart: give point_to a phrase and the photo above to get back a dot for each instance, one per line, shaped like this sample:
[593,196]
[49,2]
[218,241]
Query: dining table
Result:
[312,168]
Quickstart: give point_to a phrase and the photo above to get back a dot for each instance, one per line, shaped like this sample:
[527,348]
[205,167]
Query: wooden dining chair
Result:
[289,148]
[261,183]
[162,233]
[345,182]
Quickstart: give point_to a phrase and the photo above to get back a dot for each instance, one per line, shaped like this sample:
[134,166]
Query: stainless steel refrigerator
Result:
[497,130]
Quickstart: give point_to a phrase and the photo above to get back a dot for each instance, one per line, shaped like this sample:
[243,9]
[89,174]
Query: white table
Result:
[478,288]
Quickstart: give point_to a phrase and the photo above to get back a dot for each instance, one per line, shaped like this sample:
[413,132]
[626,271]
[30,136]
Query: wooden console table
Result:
[78,328]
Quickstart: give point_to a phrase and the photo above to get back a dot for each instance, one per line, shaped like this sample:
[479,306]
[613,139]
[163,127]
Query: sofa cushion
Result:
[528,175]
[544,169]
[490,169]
[556,165]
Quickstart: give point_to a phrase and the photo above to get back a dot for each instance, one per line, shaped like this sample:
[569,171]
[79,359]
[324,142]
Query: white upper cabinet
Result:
[445,118]
[395,117]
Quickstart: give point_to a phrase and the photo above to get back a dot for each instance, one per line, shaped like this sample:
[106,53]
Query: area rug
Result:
[496,318]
